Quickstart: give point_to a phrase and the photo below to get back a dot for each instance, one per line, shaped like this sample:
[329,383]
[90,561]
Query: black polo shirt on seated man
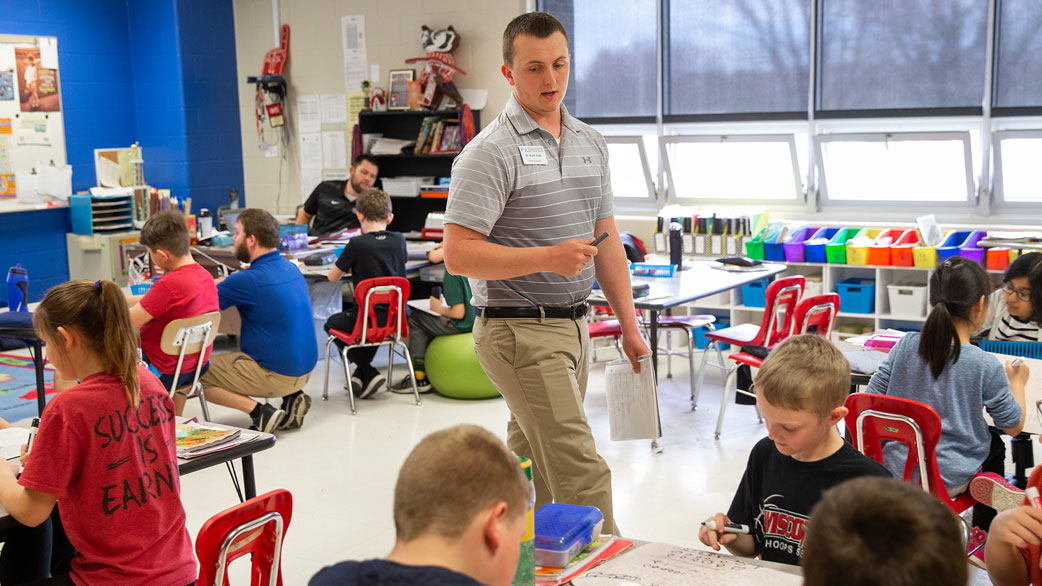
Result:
[333,210]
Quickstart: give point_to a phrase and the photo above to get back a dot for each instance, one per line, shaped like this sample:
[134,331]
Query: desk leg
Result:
[41,392]
[654,341]
[1023,458]
[249,483]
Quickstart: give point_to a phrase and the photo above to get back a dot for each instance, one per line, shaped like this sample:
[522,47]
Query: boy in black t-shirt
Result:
[800,390]
[376,253]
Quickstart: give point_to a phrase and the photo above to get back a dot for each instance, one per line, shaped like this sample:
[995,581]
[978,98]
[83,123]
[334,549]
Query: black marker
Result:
[599,239]
[728,527]
[34,426]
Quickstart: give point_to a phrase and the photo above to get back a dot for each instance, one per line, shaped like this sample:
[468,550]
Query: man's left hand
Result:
[634,347]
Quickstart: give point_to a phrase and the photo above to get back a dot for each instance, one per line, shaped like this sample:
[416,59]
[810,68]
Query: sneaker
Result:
[992,490]
[404,386]
[269,419]
[975,547]
[295,407]
[371,385]
[356,384]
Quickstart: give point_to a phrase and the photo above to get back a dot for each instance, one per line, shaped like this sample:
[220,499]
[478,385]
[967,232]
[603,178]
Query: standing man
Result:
[332,203]
[527,196]
[278,343]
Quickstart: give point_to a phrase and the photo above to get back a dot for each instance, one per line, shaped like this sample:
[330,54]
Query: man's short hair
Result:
[450,477]
[872,530]
[368,158]
[261,225]
[537,24]
[805,373]
[374,205]
[168,231]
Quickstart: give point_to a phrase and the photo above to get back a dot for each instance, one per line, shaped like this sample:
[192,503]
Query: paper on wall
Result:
[33,128]
[355,103]
[334,149]
[311,150]
[309,179]
[48,52]
[632,400]
[334,175]
[353,38]
[309,118]
[333,108]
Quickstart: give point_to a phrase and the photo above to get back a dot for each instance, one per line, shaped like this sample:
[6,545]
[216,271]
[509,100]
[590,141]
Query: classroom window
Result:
[630,172]
[730,58]
[893,55]
[613,72]
[909,167]
[1018,176]
[748,168]
[1018,56]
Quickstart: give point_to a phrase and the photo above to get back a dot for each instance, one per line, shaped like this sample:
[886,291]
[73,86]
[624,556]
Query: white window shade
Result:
[1018,173]
[727,168]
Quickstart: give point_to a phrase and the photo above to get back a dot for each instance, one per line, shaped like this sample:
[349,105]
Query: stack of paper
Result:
[600,550]
[195,439]
[390,146]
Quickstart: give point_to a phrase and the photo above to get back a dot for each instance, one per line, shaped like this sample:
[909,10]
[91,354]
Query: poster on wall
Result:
[6,85]
[38,86]
[7,185]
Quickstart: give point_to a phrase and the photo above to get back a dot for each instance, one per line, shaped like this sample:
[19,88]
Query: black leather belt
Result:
[572,312]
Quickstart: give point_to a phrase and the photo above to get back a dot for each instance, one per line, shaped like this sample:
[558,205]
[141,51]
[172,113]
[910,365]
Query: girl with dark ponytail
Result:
[105,451]
[939,367]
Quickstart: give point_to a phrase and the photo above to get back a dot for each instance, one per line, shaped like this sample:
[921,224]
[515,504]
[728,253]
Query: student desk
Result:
[698,279]
[243,452]
[30,336]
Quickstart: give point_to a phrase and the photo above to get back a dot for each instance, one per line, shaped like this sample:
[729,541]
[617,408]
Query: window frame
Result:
[636,203]
[789,139]
[996,175]
[937,136]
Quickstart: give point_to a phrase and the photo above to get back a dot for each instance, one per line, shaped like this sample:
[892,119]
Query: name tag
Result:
[532,155]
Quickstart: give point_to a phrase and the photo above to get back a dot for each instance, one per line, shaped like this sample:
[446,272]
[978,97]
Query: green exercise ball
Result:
[454,371]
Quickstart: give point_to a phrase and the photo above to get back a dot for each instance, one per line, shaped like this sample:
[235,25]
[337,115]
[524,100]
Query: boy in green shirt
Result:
[454,316]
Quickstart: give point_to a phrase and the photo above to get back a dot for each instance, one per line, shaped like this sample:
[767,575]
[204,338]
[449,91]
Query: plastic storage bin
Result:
[857,254]
[562,531]
[641,269]
[836,249]
[902,252]
[701,341]
[907,300]
[140,288]
[814,247]
[857,295]
[755,247]
[793,247]
[878,252]
[969,249]
[755,294]
[950,246]
[998,259]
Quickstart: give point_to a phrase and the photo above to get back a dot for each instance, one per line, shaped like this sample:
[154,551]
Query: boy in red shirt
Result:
[186,289]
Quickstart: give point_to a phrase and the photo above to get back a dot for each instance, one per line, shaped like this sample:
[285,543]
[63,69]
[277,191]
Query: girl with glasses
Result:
[1015,308]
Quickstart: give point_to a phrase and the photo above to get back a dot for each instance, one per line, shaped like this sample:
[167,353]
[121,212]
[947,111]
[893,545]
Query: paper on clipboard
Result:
[632,400]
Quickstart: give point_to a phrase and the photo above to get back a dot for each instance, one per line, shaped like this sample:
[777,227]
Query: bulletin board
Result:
[32,129]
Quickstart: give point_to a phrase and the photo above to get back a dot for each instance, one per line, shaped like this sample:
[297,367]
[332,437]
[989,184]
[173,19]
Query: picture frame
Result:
[398,92]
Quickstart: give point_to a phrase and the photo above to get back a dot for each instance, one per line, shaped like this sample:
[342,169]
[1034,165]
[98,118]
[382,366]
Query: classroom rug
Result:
[18,386]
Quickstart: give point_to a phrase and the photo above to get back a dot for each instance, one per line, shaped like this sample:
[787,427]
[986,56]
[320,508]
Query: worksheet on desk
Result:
[661,564]
[1032,391]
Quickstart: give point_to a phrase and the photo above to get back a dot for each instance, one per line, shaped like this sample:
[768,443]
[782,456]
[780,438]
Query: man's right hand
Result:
[568,258]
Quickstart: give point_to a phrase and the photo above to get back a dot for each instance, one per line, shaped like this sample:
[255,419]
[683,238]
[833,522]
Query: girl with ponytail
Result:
[105,451]
[939,367]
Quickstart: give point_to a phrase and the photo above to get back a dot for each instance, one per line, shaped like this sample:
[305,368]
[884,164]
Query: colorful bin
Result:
[858,254]
[969,248]
[794,250]
[878,251]
[755,294]
[926,256]
[902,252]
[836,249]
[754,248]
[814,247]
[956,241]
[998,259]
[857,295]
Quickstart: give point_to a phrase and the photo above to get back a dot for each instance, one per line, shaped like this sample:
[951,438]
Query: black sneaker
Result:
[295,407]
[356,385]
[404,386]
[370,385]
[269,419]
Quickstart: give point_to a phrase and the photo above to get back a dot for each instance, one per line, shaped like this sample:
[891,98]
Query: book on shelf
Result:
[438,135]
[194,437]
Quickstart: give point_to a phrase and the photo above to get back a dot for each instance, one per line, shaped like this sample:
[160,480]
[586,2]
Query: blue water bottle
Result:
[18,288]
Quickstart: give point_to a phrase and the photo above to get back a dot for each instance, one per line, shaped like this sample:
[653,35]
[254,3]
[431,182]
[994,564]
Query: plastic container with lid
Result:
[562,531]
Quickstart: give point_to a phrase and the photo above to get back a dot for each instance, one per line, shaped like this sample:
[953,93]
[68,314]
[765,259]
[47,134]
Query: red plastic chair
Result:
[256,527]
[781,295]
[368,331]
[814,315]
[873,419]
[608,328]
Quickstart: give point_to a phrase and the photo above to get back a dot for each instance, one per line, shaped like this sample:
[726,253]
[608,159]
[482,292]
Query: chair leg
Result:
[328,359]
[722,365]
[691,362]
[202,401]
[728,379]
[412,373]
[350,387]
[618,348]
[701,375]
[669,353]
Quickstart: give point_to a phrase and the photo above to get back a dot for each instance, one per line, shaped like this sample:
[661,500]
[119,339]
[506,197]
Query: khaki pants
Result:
[540,368]
[239,373]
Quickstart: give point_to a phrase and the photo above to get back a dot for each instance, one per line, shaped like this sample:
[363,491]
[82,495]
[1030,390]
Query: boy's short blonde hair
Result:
[374,205]
[450,477]
[805,373]
[872,530]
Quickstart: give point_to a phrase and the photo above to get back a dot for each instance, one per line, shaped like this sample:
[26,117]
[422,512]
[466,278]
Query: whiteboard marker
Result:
[728,527]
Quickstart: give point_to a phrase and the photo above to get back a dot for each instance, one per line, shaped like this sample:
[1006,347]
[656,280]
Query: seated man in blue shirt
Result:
[278,347]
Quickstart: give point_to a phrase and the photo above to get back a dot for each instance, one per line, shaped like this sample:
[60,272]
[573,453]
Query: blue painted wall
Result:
[159,72]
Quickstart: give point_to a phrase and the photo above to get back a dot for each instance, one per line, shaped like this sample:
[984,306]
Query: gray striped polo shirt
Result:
[521,205]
